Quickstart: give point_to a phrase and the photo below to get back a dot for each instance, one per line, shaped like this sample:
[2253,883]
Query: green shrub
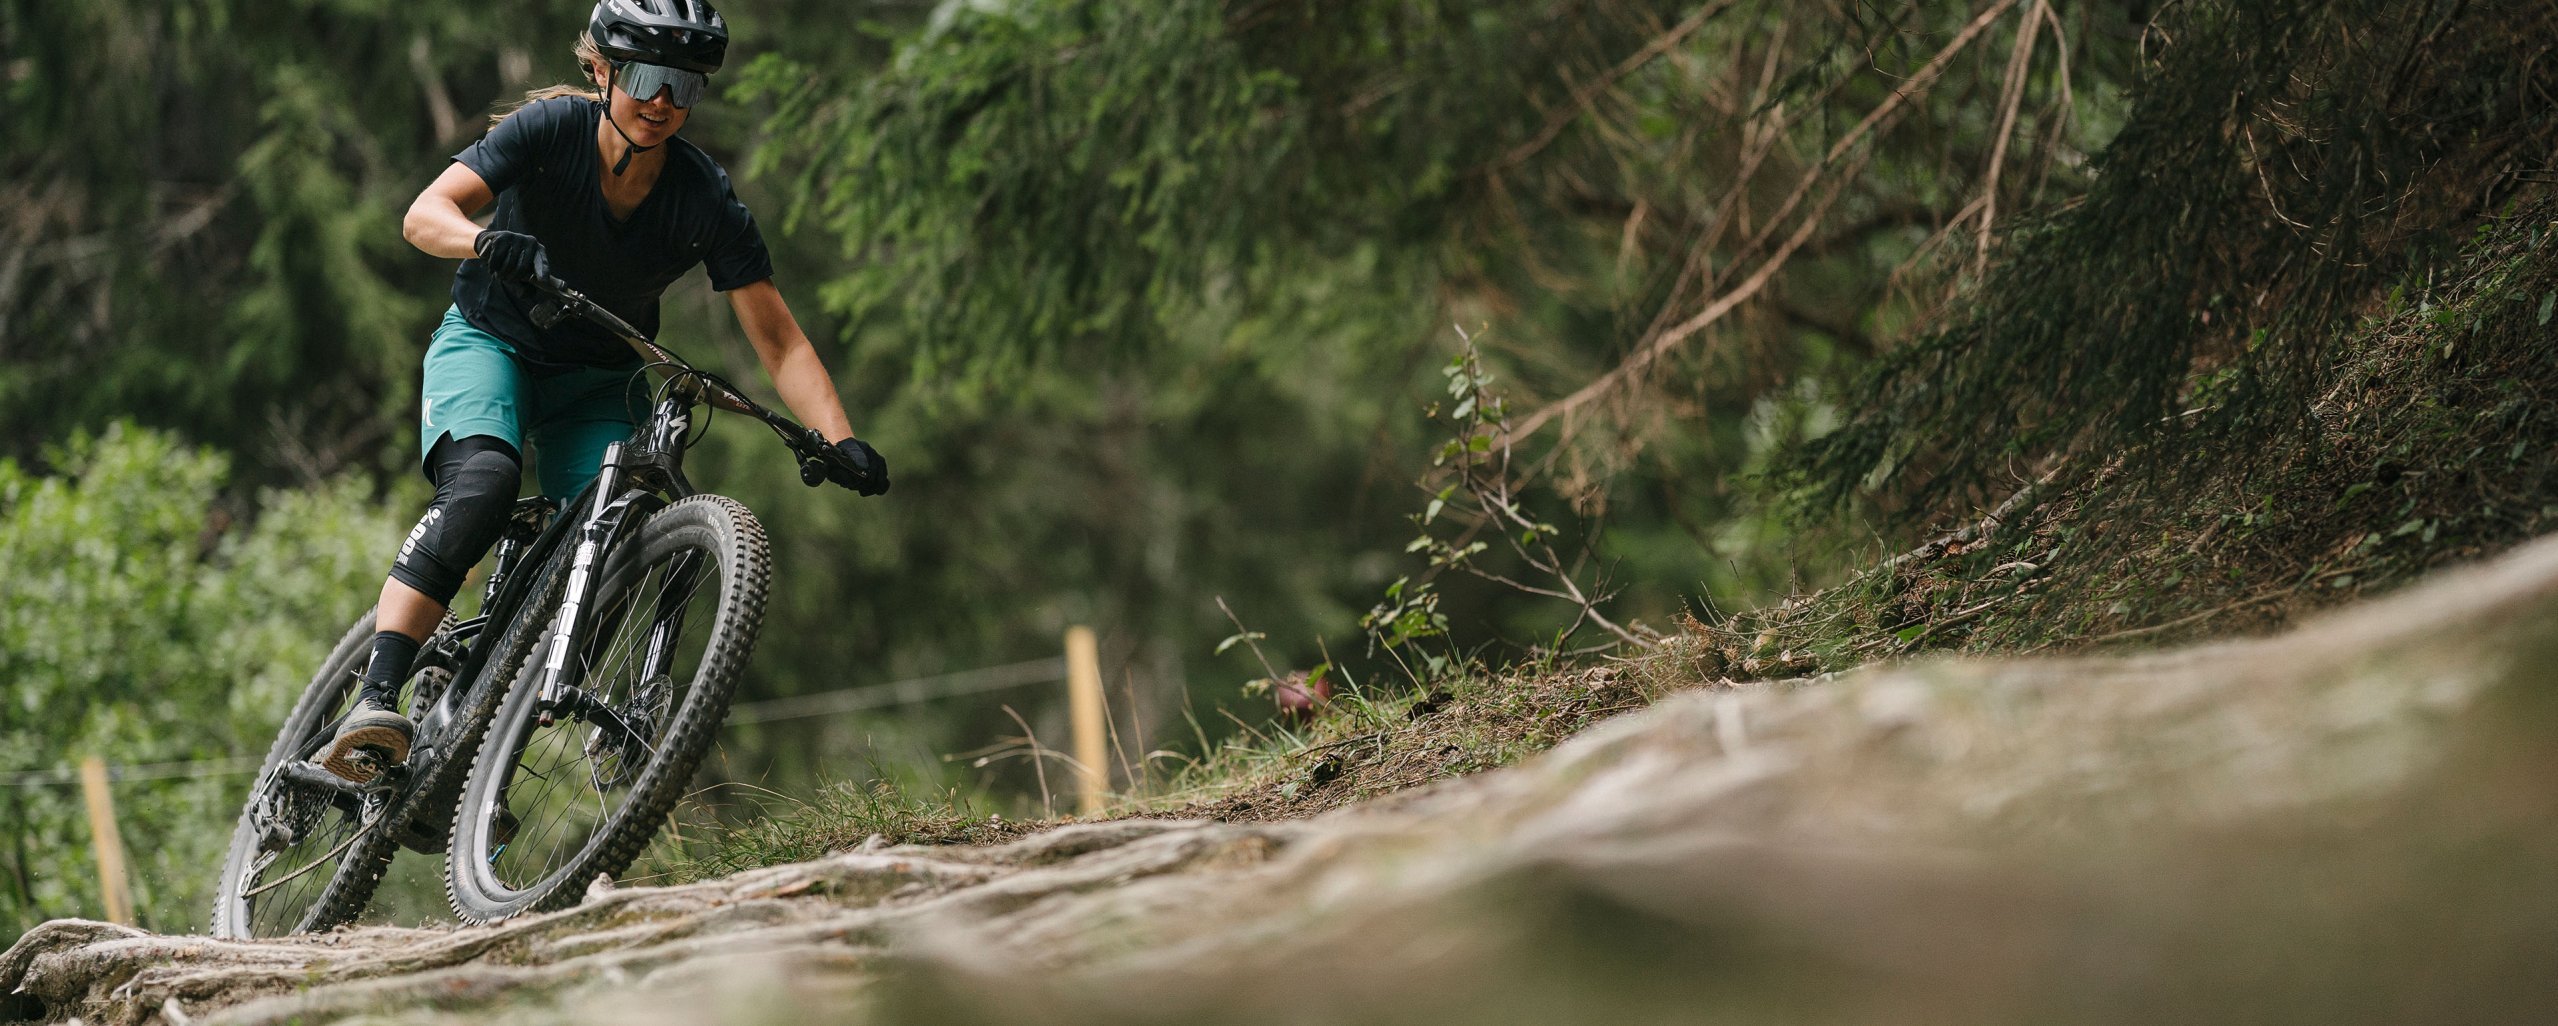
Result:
[149,619]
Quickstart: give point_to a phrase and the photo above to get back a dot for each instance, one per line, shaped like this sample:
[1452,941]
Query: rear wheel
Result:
[305,858]
[561,796]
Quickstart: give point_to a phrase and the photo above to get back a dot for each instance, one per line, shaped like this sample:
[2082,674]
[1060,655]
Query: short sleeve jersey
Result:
[542,163]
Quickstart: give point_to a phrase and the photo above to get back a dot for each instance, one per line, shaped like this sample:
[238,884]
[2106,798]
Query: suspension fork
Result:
[559,671]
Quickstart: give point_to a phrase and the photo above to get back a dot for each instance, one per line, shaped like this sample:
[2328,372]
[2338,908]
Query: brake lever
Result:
[814,457]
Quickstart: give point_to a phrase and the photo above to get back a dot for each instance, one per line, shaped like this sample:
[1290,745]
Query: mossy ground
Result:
[837,818]
[1363,746]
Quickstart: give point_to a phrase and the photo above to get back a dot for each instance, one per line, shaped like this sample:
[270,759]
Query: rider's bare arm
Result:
[439,220]
[789,359]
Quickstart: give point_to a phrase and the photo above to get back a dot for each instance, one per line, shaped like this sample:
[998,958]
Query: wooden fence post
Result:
[1083,686]
[108,841]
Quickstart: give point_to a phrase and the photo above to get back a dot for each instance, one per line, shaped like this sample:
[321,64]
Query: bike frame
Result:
[637,477]
[533,533]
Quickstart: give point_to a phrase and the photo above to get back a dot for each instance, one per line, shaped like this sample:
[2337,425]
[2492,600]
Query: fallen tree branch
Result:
[1982,528]
[2183,621]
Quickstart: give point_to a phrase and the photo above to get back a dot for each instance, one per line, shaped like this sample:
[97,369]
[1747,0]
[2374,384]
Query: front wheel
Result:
[562,795]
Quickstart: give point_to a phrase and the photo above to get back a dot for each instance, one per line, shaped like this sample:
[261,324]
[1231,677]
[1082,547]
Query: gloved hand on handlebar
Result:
[512,255]
[859,467]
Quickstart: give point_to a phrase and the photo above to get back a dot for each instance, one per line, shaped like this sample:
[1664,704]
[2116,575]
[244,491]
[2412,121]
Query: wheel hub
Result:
[618,748]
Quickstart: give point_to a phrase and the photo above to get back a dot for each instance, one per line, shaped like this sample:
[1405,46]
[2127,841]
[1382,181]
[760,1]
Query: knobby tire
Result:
[723,539]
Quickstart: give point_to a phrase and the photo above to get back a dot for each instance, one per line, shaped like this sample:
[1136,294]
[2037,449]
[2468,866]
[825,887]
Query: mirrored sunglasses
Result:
[642,82]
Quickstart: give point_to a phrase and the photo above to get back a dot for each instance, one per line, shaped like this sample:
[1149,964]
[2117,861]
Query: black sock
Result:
[392,654]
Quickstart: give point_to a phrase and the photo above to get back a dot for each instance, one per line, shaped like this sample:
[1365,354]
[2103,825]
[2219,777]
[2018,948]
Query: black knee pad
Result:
[476,479]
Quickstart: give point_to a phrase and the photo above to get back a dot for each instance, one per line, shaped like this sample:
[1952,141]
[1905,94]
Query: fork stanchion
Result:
[108,841]
[1083,688]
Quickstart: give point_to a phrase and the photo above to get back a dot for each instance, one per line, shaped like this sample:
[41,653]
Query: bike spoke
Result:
[325,858]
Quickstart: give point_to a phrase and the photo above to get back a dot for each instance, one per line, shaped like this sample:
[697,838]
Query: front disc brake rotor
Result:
[617,750]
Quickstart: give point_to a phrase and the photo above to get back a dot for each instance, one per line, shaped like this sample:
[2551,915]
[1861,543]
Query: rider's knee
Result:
[476,480]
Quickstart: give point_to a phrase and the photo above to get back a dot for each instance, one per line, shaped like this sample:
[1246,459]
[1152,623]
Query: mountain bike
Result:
[555,730]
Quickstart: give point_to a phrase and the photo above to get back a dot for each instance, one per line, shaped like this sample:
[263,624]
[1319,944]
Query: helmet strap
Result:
[629,149]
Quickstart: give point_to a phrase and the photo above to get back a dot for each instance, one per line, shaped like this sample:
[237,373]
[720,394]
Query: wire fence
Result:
[826,703]
[138,771]
[904,692]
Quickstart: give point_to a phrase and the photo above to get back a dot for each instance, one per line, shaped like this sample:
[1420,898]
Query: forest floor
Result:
[2349,821]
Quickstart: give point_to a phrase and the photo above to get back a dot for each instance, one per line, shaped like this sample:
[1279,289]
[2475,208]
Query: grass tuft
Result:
[838,818]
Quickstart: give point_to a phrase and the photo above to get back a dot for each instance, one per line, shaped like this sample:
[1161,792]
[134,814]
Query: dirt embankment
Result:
[2349,822]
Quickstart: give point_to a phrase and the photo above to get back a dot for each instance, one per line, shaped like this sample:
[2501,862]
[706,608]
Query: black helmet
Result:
[685,34]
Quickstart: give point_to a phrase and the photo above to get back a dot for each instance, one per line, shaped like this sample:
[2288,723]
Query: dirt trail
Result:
[2348,822]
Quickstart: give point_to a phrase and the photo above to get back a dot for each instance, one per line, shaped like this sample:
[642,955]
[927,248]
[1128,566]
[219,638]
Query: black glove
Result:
[860,467]
[512,255]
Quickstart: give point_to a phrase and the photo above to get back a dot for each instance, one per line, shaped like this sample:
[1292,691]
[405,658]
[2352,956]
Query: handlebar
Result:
[818,458]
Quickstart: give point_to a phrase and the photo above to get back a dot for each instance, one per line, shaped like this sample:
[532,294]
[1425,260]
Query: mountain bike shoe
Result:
[371,739]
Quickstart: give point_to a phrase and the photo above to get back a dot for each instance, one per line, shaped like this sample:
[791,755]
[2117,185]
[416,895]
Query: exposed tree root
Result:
[1956,841]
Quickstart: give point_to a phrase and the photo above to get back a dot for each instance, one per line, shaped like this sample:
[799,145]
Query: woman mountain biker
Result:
[597,191]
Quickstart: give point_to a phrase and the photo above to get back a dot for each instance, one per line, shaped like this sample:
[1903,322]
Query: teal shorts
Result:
[475,385]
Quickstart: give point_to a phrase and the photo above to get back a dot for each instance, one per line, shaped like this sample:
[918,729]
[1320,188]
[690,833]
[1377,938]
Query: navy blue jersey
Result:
[542,164]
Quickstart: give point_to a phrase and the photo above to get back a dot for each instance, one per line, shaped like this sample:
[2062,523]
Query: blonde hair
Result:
[589,59]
